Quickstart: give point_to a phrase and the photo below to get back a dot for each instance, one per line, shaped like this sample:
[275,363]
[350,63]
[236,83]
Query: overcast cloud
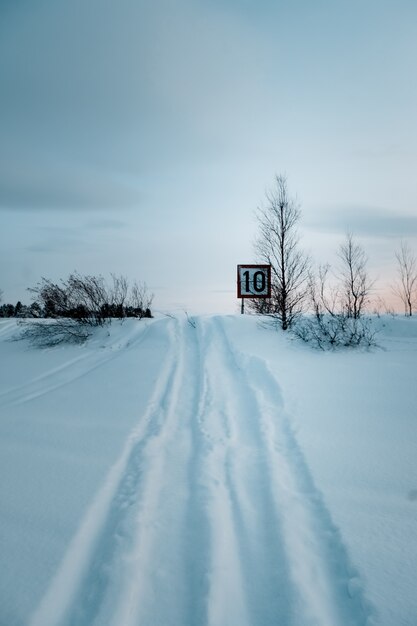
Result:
[364,221]
[144,134]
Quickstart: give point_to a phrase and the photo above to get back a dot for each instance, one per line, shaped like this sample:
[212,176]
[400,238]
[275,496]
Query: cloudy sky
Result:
[139,136]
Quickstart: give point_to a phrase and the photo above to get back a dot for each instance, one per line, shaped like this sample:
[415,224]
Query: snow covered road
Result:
[210,515]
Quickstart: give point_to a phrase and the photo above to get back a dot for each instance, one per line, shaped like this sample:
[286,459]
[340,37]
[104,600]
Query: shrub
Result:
[78,304]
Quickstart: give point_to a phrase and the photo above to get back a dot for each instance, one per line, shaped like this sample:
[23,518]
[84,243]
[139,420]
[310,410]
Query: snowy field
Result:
[214,473]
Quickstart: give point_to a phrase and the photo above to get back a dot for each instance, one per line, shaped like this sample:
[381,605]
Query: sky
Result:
[139,137]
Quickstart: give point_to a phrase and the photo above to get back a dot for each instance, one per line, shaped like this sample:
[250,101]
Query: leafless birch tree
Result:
[406,285]
[277,245]
[355,282]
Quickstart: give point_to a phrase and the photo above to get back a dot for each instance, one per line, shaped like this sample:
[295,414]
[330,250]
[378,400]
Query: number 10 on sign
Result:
[253,281]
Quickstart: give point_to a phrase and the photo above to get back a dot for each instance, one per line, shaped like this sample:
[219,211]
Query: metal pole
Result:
[242,307]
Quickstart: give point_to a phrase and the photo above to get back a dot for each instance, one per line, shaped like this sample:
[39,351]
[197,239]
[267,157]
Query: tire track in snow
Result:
[65,373]
[198,545]
[155,586]
[226,601]
[5,327]
[170,576]
[326,587]
[42,384]
[144,551]
[79,590]
[241,491]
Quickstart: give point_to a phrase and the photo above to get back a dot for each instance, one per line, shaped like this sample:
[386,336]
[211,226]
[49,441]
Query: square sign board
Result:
[253,281]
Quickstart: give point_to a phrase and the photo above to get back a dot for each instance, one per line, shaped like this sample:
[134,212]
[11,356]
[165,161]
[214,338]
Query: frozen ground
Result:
[216,473]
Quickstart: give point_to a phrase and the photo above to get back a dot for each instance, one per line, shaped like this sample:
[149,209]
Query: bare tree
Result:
[78,304]
[406,285]
[87,296]
[1,295]
[82,298]
[324,299]
[355,283]
[118,295]
[140,300]
[277,245]
[380,306]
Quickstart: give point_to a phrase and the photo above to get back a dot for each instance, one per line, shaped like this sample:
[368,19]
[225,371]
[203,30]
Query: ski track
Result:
[66,373]
[78,590]
[210,516]
[5,327]
[326,589]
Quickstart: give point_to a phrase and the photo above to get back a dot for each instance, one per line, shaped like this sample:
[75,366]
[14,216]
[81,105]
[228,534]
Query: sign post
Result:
[253,281]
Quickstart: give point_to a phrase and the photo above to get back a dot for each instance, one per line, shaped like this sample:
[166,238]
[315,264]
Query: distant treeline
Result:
[21,310]
[34,310]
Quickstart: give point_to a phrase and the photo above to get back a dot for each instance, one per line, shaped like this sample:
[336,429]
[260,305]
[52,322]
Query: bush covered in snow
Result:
[327,331]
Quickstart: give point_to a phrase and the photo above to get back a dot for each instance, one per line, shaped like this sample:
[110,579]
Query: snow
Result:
[212,473]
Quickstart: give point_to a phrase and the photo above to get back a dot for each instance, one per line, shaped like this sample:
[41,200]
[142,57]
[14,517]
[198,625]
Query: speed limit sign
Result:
[253,281]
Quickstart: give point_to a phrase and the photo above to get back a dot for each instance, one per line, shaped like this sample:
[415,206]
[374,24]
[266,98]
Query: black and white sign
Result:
[253,281]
